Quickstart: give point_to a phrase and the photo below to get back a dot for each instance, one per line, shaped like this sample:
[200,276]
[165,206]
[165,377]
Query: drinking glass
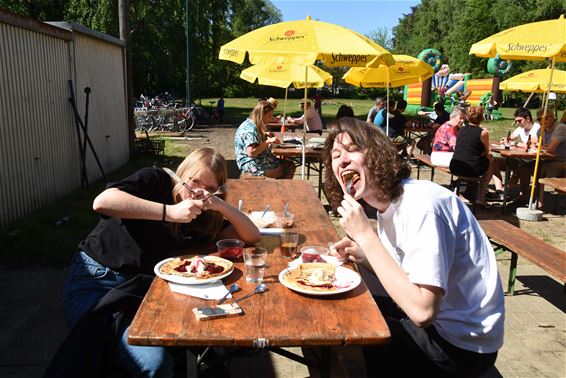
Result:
[288,242]
[254,262]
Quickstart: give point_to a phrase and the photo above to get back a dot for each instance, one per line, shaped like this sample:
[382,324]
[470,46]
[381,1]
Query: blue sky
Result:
[363,16]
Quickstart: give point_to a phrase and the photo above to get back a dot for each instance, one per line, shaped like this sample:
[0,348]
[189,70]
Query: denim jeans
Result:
[87,282]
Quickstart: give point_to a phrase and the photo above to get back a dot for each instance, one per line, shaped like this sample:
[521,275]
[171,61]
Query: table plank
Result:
[558,183]
[282,317]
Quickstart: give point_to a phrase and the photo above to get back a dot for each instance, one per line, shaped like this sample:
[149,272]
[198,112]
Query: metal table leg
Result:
[506,183]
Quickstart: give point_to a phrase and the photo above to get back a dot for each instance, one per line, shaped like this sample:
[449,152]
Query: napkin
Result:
[212,290]
[270,231]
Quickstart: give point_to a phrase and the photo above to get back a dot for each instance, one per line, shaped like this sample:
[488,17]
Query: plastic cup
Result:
[313,253]
[288,242]
[230,248]
[254,263]
[283,220]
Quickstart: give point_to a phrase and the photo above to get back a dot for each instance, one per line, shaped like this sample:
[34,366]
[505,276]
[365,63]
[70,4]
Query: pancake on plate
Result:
[312,276]
[197,267]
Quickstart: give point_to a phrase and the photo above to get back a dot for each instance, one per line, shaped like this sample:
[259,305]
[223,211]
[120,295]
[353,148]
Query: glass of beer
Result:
[288,242]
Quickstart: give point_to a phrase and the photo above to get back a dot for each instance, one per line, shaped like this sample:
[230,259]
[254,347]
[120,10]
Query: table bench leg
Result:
[192,364]
[512,274]
[325,361]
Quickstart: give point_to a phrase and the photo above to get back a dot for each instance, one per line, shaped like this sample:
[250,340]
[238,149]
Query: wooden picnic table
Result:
[279,317]
[515,152]
[293,152]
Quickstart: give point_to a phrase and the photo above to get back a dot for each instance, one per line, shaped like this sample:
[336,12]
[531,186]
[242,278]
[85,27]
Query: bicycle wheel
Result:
[189,122]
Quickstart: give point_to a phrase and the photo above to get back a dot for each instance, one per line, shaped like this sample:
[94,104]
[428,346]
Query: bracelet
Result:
[164,213]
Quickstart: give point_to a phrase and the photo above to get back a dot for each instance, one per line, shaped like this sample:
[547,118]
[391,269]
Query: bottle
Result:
[529,143]
[507,140]
[283,128]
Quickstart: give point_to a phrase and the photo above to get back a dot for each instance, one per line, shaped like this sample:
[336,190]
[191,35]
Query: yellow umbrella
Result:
[304,42]
[406,70]
[285,75]
[533,41]
[536,81]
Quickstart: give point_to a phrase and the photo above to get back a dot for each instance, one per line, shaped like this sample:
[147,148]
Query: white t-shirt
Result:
[437,241]
[521,133]
[314,122]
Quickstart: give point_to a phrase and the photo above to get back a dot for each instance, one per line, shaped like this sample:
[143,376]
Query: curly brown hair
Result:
[381,158]
[475,115]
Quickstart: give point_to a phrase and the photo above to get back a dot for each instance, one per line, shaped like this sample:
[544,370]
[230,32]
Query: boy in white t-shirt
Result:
[521,170]
[444,302]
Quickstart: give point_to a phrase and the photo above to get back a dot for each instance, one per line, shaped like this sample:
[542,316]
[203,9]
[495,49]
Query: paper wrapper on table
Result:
[215,312]
[212,290]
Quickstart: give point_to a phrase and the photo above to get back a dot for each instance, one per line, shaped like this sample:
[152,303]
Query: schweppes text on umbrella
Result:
[352,59]
[529,48]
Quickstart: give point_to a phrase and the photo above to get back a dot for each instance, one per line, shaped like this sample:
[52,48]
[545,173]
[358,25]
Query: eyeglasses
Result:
[519,120]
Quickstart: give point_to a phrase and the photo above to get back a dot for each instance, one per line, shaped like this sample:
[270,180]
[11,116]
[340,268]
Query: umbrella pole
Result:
[303,157]
[528,99]
[285,104]
[537,161]
[387,111]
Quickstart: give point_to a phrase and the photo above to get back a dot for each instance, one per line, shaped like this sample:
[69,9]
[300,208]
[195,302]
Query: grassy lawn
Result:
[51,235]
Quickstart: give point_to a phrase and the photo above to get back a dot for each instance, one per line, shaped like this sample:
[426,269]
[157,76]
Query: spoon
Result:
[285,209]
[240,204]
[233,288]
[258,290]
[265,210]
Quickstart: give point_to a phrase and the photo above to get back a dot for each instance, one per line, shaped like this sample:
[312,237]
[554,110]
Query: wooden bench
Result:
[506,237]
[454,184]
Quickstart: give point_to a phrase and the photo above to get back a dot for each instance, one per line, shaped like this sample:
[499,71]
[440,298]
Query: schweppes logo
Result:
[230,52]
[289,35]
[353,59]
[526,47]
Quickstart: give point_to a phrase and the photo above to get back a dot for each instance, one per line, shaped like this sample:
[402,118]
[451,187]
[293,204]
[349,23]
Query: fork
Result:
[220,190]
[348,186]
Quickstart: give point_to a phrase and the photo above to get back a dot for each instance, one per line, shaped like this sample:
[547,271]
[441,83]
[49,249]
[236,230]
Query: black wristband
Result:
[164,213]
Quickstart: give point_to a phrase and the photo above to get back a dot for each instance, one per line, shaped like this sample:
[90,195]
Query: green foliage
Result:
[453,26]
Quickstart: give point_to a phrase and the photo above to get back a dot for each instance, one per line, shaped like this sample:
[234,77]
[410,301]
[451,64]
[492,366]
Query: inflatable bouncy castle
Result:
[455,88]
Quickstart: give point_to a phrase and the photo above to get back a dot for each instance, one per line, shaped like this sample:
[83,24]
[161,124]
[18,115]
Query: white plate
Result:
[271,231]
[342,274]
[190,280]
[266,221]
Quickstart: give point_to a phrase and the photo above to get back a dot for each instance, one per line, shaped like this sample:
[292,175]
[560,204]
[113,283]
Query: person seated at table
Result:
[440,117]
[442,298]
[145,218]
[344,111]
[388,111]
[471,153]
[274,103]
[252,144]
[554,142]
[314,123]
[521,170]
[379,104]
[445,138]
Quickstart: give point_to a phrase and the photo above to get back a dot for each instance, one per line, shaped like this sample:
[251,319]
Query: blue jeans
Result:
[87,282]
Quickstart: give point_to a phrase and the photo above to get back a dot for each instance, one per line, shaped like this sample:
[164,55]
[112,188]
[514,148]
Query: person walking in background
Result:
[220,109]
[379,104]
[441,294]
[471,153]
[314,122]
[252,144]
[445,138]
[317,99]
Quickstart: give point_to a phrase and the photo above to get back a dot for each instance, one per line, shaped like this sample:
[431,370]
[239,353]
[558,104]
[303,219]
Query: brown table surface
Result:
[558,183]
[279,317]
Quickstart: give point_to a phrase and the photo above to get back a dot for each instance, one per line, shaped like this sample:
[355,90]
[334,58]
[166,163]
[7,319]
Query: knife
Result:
[178,179]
